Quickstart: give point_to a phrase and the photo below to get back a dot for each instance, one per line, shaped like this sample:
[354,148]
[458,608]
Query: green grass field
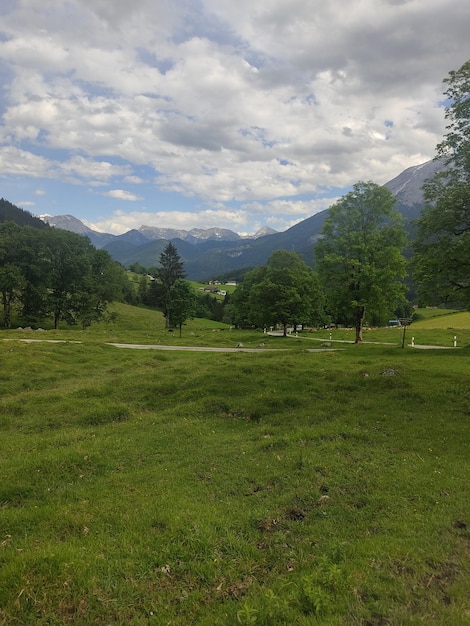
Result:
[273,487]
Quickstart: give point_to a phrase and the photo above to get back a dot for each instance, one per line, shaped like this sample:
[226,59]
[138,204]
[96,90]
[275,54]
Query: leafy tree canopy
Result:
[455,147]
[182,303]
[442,245]
[285,291]
[359,257]
[57,273]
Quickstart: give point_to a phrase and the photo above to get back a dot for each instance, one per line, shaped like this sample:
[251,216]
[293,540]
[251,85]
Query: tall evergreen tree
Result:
[170,270]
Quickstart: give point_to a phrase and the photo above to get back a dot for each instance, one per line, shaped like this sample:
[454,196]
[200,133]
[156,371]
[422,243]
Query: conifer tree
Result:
[170,270]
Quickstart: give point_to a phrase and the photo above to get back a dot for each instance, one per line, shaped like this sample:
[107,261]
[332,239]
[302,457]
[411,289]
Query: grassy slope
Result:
[144,487]
[458,319]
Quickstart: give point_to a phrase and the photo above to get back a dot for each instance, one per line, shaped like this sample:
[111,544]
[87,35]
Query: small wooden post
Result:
[404,321]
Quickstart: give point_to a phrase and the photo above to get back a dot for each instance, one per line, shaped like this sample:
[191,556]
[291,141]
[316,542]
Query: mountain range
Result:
[216,252]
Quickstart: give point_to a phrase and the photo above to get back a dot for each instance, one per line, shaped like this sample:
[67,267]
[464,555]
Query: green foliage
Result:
[182,303]
[455,148]
[12,280]
[285,291]
[210,306]
[137,268]
[321,590]
[442,245]
[52,272]
[359,257]
[170,270]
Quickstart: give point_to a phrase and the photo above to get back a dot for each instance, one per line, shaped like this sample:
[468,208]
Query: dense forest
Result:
[51,273]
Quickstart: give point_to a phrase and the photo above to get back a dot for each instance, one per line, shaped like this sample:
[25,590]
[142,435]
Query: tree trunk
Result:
[359,323]
[6,310]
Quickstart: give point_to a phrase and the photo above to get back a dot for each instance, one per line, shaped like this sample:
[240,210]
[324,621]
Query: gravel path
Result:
[136,346]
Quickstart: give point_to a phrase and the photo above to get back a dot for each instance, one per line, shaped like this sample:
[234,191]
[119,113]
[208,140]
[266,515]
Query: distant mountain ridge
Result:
[143,234]
[208,253]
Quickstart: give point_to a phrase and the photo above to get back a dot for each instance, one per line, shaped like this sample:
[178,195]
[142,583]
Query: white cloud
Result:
[133,180]
[17,162]
[260,103]
[120,194]
[92,170]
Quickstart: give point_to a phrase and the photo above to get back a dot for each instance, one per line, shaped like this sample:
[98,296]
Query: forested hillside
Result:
[11,213]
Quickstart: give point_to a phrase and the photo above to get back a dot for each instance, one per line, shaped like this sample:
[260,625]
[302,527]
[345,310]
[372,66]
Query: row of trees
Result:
[146,291]
[359,268]
[359,257]
[285,291]
[54,273]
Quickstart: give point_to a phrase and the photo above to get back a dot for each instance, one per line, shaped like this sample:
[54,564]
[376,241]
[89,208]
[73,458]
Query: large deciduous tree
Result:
[67,259]
[359,257]
[12,280]
[442,245]
[455,147]
[285,291]
[103,284]
[183,303]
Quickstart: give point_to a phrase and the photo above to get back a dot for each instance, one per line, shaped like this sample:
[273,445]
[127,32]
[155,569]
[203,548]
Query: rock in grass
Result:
[390,372]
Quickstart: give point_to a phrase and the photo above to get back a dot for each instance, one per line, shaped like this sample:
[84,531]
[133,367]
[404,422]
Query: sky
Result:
[217,113]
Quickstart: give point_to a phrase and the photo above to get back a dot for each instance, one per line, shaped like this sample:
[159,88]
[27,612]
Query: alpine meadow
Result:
[289,484]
